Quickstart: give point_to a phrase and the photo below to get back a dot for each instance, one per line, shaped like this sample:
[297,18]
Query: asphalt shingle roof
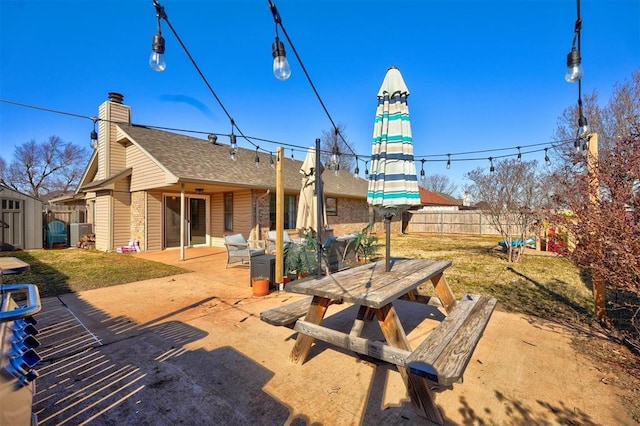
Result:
[193,159]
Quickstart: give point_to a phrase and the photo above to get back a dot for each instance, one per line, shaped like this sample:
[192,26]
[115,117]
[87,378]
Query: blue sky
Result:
[482,74]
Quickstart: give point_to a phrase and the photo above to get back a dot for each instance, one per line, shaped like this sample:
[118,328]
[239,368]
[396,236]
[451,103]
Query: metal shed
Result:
[20,220]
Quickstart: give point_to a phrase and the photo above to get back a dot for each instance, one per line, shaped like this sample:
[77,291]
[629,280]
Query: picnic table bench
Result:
[437,362]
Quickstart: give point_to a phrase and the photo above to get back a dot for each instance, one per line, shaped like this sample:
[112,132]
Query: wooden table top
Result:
[12,265]
[369,285]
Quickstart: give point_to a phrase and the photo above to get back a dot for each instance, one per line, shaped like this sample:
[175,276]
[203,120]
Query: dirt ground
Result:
[191,349]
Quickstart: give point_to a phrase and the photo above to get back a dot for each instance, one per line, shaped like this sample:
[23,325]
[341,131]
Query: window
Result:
[228,211]
[331,206]
[290,211]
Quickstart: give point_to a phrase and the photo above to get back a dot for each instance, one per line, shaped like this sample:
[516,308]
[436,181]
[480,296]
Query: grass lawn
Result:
[66,271]
[549,287]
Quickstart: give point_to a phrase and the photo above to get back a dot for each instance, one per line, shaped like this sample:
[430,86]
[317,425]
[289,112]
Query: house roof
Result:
[429,198]
[189,159]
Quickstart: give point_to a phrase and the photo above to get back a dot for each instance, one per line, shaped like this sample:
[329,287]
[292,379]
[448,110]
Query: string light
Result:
[292,154]
[233,145]
[257,159]
[271,162]
[94,134]
[281,68]
[423,178]
[156,59]
[491,169]
[366,169]
[519,155]
[547,161]
[448,161]
[356,172]
[574,70]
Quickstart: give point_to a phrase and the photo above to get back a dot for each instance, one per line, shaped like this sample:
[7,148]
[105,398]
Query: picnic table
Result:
[435,364]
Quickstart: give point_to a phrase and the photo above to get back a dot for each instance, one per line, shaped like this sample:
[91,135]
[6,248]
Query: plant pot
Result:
[285,279]
[260,287]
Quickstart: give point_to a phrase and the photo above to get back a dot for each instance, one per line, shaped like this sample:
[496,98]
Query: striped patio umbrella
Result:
[393,185]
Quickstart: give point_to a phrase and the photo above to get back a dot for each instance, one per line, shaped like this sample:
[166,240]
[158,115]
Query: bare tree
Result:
[331,139]
[3,167]
[439,183]
[515,195]
[603,198]
[42,168]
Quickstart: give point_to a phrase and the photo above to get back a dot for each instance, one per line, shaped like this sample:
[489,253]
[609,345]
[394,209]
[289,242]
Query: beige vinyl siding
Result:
[121,213]
[102,221]
[111,154]
[242,213]
[217,217]
[146,174]
[118,113]
[154,221]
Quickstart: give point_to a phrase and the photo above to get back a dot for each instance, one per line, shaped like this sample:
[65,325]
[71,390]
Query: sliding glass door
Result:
[195,220]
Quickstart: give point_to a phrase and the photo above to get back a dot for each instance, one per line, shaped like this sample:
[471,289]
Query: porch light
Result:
[156,59]
[281,68]
[199,190]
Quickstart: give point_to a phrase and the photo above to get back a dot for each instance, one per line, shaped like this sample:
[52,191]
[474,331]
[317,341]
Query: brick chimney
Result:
[111,155]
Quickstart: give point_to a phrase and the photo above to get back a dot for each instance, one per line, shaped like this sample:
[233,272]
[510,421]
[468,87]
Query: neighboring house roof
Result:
[188,159]
[429,198]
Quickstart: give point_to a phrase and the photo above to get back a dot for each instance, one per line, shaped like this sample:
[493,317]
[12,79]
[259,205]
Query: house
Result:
[437,200]
[20,220]
[141,181]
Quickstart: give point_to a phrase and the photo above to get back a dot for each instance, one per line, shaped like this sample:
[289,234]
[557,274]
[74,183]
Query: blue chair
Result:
[56,233]
[239,250]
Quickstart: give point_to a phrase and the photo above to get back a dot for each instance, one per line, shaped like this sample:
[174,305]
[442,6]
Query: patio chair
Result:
[271,241]
[239,250]
[56,233]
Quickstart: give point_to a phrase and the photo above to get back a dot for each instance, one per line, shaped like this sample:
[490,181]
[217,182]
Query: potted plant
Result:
[301,258]
[260,286]
[366,244]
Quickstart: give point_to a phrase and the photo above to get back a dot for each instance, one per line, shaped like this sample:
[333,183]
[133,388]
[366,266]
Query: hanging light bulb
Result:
[574,66]
[423,178]
[271,162]
[519,155]
[156,59]
[335,156]
[583,127]
[448,161]
[213,138]
[547,161]
[257,159]
[233,147]
[281,68]
[356,172]
[94,135]
[491,169]
[366,169]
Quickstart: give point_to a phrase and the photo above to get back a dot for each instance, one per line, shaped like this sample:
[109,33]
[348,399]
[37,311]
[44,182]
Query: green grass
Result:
[66,271]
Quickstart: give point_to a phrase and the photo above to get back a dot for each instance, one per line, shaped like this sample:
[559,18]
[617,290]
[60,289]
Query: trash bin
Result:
[264,265]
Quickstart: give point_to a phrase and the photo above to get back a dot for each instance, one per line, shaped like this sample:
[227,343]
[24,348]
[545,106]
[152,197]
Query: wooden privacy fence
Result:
[66,213]
[450,222]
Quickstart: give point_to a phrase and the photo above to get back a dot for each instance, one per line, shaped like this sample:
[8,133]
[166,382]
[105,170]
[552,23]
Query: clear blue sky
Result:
[482,74]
